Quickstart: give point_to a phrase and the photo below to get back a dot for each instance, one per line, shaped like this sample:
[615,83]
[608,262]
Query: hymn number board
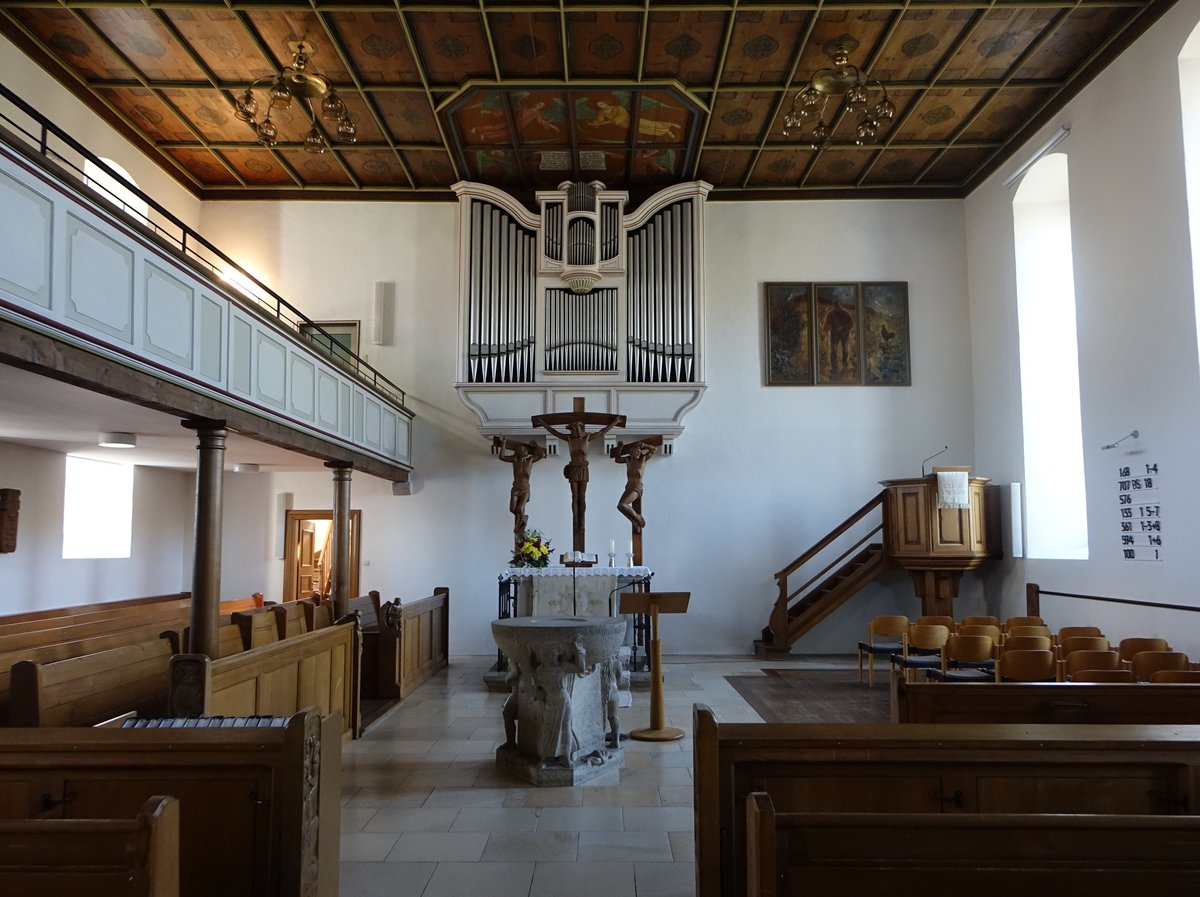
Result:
[1140,512]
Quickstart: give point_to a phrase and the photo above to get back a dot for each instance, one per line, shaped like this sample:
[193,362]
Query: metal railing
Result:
[51,142]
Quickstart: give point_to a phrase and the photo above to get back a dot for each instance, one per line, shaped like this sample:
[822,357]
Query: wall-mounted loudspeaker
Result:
[383,309]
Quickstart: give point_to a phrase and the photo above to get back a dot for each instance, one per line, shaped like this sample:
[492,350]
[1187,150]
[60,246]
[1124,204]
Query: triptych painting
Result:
[831,334]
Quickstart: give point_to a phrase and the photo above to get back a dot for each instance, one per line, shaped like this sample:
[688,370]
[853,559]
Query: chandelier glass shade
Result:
[848,88]
[301,86]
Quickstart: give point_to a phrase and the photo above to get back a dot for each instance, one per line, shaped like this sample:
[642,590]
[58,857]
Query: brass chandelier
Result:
[850,88]
[298,84]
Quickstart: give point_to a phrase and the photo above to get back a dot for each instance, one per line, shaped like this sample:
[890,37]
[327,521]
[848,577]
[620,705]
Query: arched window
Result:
[1055,499]
[116,190]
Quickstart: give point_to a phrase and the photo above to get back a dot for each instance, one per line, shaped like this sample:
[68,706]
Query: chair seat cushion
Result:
[880,647]
[975,675]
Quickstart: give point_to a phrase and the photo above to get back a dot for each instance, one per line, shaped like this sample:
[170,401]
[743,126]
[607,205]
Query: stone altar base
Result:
[560,716]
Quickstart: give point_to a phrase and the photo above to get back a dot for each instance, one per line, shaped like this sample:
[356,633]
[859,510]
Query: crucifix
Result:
[577,438]
[634,456]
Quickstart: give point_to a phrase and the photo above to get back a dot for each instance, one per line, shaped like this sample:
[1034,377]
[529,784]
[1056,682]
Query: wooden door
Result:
[308,578]
[301,579]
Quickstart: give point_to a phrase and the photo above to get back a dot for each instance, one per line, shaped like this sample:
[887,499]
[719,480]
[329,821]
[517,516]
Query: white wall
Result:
[36,576]
[759,474]
[1137,333]
[31,83]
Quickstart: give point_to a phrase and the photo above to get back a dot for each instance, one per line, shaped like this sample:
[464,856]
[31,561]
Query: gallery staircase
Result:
[840,573]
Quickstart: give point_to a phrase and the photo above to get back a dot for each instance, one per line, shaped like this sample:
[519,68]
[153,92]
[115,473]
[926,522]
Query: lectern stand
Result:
[655,603]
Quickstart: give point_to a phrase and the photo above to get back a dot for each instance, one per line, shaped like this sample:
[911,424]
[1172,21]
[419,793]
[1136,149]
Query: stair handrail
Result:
[833,535]
[778,621]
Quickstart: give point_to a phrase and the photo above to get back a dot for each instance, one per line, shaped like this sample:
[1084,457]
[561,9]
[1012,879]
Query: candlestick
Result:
[612,559]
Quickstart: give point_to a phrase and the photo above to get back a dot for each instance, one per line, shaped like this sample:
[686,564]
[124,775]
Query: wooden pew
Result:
[136,612]
[259,626]
[66,650]
[425,638]
[83,691]
[122,604]
[403,643]
[138,857]
[983,855]
[258,806]
[316,669]
[318,613]
[959,769]
[1044,702]
[165,617]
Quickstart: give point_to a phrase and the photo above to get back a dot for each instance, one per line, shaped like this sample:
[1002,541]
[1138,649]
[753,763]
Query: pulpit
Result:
[936,544]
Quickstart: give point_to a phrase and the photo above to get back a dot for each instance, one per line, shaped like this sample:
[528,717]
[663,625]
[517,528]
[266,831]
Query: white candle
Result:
[631,546]
[612,546]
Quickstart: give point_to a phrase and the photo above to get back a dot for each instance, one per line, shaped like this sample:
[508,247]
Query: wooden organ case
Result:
[581,299]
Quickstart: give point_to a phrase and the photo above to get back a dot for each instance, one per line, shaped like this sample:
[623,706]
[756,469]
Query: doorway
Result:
[308,553]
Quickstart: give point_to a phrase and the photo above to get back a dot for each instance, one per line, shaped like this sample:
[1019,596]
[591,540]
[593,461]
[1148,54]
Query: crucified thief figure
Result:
[634,456]
[522,456]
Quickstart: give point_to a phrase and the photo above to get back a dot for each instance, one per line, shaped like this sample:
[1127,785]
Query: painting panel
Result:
[789,334]
[838,318]
[886,360]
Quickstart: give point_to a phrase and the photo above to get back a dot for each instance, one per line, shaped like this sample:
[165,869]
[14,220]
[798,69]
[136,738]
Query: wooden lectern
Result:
[655,603]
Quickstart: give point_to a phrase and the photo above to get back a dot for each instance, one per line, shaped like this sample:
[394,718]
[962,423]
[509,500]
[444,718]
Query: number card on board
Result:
[1140,512]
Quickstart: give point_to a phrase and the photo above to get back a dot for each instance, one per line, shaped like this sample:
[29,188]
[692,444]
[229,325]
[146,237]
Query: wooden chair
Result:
[1022,621]
[1078,661]
[1072,631]
[1128,647]
[1147,663]
[1028,643]
[980,621]
[922,648]
[966,658]
[1068,646]
[947,621]
[1027,666]
[1175,676]
[992,632]
[1121,675]
[891,627]
[1029,629]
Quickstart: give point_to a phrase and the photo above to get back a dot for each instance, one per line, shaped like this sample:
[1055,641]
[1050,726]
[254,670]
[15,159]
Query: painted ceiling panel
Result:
[525,96]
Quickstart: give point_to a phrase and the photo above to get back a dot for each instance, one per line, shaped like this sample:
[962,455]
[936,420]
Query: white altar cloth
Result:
[572,591]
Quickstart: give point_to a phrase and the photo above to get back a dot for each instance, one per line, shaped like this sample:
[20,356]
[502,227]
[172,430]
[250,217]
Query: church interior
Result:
[309,309]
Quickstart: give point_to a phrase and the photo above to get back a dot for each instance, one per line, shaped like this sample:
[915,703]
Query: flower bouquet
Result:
[532,550]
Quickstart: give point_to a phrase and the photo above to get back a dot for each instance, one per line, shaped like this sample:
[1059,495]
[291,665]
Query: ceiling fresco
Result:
[525,95]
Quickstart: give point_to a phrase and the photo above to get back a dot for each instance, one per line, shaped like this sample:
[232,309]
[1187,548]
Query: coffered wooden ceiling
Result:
[524,95]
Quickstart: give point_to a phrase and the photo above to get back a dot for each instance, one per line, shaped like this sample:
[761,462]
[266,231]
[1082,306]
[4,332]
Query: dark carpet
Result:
[814,696]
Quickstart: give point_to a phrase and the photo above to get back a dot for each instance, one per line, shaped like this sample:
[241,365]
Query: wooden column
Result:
[340,572]
[206,560]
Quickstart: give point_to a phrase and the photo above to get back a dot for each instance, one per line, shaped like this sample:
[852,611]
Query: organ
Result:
[581,298]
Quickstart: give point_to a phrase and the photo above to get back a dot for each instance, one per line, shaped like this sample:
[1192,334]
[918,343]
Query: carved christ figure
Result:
[634,456]
[577,438]
[522,456]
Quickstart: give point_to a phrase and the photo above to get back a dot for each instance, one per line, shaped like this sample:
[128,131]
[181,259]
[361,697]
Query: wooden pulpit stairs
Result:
[799,608]
[935,544]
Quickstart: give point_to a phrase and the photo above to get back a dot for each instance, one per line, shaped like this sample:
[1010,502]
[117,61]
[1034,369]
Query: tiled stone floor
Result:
[426,813]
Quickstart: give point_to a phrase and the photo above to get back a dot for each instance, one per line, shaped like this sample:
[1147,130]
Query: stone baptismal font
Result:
[560,719]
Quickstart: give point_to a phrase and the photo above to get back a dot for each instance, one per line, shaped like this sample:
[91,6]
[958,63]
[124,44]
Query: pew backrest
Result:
[259,626]
[984,855]
[959,769]
[136,857]
[1045,702]
[259,803]
[85,690]
[108,606]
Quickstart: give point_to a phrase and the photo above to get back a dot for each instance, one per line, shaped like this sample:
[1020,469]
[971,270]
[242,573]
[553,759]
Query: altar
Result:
[562,591]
